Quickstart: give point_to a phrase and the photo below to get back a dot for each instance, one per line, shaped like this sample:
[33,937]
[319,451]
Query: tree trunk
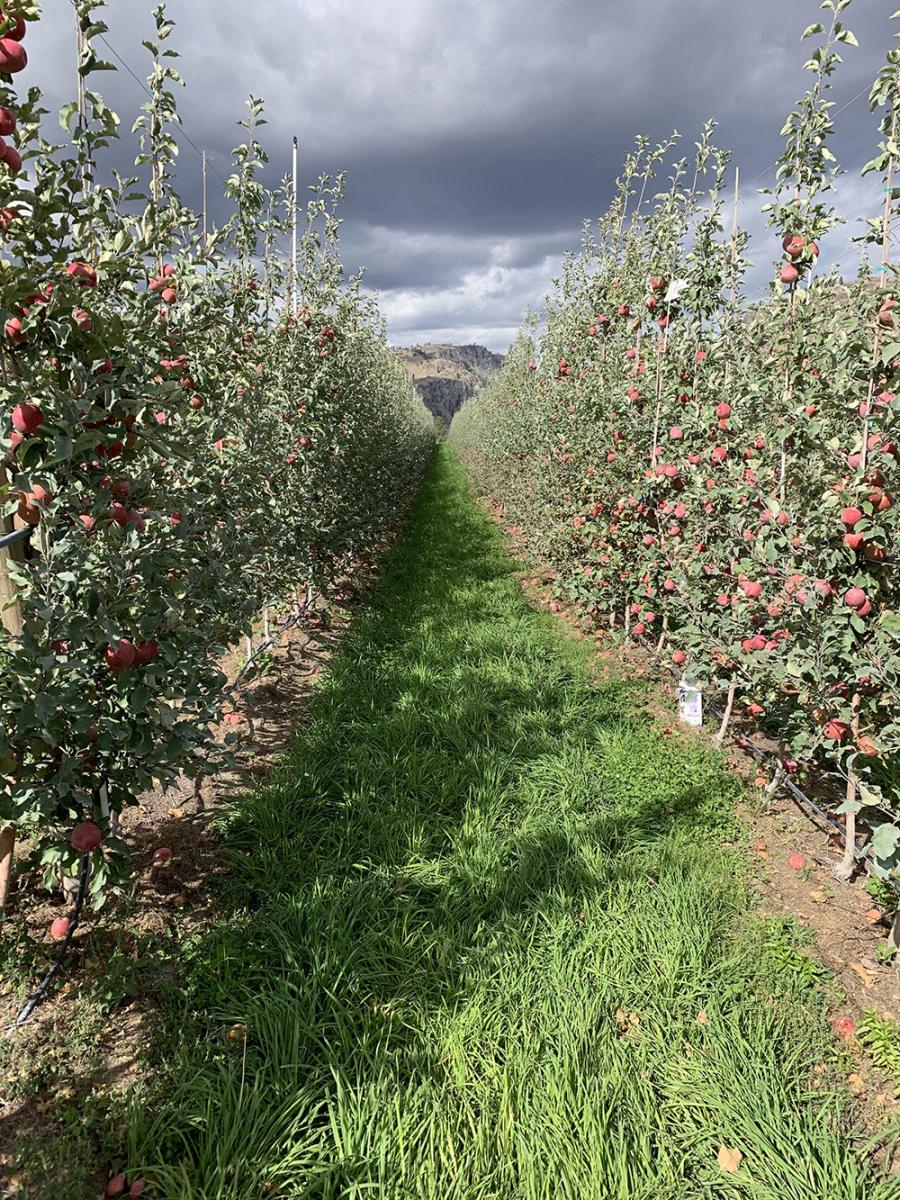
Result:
[723,729]
[845,868]
[660,645]
[7,850]
[11,613]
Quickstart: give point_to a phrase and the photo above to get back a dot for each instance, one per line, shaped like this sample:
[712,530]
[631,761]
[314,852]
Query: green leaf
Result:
[849,806]
[811,29]
[885,840]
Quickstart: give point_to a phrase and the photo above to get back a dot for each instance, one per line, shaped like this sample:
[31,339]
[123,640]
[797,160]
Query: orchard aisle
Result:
[482,938]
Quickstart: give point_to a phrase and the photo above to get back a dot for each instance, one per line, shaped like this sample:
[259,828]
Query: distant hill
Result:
[445,376]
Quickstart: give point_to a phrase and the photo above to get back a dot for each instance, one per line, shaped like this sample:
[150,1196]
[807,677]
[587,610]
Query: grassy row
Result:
[483,941]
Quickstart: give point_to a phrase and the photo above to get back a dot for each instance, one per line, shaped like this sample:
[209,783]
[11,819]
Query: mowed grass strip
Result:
[483,941]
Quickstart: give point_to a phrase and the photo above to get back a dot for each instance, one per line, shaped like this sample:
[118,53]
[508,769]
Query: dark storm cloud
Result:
[478,134]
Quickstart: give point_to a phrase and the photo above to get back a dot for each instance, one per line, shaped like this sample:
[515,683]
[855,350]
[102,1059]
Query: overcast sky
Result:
[478,133]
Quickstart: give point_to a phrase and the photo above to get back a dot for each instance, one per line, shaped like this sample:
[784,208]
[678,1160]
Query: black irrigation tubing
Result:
[863,854]
[272,640]
[43,988]
[18,535]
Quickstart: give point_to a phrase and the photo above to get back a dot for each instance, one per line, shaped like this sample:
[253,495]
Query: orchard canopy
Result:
[196,426]
[717,476]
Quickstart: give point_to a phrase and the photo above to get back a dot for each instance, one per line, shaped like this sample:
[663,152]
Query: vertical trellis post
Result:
[294,218]
[205,205]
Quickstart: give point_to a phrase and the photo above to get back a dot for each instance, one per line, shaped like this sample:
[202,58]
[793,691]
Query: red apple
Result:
[844,1028]
[15,332]
[796,862]
[146,652]
[82,273]
[116,1186]
[855,597]
[83,320]
[12,55]
[836,730]
[27,418]
[120,656]
[18,26]
[850,517]
[59,928]
[789,273]
[86,837]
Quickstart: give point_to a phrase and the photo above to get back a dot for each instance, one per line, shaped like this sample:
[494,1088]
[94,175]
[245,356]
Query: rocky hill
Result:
[447,375]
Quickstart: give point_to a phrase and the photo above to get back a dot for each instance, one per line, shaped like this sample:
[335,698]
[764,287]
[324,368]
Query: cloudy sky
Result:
[478,134]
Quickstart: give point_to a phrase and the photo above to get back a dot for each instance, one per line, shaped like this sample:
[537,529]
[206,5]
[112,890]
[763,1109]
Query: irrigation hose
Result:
[44,987]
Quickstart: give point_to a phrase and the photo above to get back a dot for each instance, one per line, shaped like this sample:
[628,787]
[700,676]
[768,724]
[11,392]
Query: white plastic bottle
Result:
[690,701]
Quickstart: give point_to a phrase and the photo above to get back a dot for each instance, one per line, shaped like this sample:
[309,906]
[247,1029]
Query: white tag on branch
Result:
[676,287]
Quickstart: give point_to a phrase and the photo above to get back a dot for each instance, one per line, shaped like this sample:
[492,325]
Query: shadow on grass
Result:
[468,928]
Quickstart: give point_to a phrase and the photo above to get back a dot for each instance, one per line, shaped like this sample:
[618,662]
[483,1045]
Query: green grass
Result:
[471,925]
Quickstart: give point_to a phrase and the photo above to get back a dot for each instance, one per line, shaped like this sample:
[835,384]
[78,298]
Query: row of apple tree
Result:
[720,475]
[182,445]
